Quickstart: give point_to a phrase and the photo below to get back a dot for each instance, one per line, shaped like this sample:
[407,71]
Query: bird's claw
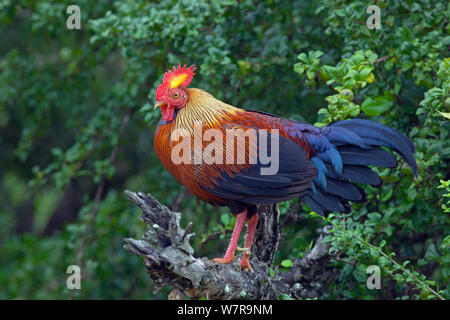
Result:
[245,263]
[245,260]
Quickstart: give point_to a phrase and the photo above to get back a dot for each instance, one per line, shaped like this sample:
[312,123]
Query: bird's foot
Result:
[245,260]
[225,260]
[245,263]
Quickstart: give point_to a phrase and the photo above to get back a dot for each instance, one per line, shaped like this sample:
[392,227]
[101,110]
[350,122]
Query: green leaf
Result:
[431,253]
[444,114]
[303,57]
[377,106]
[299,67]
[286,263]
[310,74]
[387,195]
[225,218]
[412,194]
[284,296]
[271,272]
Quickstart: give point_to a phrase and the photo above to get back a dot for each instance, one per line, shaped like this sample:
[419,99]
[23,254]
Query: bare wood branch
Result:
[170,261]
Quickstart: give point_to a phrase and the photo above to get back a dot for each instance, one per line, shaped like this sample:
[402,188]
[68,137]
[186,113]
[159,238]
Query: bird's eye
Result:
[175,95]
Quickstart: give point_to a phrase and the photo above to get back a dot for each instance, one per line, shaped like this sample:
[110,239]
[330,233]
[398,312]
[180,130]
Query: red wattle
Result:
[167,112]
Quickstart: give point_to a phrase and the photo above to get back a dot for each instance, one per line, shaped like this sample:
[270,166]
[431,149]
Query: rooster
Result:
[319,165]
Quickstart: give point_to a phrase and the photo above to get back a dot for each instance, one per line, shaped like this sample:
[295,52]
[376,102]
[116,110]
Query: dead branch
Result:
[170,260]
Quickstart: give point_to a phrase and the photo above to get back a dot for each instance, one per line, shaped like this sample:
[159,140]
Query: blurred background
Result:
[77,125]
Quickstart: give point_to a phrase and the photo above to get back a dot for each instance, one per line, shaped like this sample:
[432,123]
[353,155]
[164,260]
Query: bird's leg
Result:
[251,228]
[229,254]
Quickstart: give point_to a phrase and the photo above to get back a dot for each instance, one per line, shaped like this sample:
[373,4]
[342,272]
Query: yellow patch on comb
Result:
[177,80]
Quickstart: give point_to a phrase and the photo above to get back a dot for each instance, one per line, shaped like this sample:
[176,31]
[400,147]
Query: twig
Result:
[382,59]
[212,236]
[346,261]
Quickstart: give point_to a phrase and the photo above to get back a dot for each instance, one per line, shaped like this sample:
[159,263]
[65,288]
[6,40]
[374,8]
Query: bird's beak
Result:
[158,104]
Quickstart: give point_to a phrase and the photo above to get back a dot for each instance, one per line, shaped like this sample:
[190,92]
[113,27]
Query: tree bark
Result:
[170,260]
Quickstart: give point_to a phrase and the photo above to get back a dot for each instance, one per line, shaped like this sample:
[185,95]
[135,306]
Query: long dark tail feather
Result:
[377,134]
[358,142]
[367,157]
[325,203]
[345,190]
[354,173]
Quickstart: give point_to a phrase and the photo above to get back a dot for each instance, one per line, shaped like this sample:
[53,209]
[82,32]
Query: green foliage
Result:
[445,185]
[402,225]
[353,237]
[76,121]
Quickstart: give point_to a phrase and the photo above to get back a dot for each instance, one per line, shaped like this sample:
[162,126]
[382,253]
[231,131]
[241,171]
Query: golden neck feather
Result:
[202,107]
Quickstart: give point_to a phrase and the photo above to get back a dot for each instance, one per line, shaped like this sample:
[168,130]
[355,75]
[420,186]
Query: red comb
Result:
[180,77]
[161,91]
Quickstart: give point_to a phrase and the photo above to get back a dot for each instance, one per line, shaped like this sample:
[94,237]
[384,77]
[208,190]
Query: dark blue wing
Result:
[251,186]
